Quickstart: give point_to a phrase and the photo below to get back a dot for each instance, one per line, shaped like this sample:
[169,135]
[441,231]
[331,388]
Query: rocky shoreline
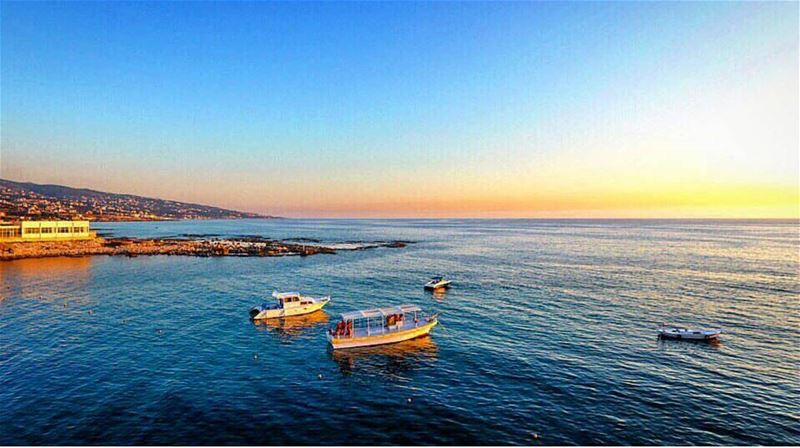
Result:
[205,247]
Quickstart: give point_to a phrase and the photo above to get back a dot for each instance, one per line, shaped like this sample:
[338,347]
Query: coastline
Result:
[194,247]
[113,219]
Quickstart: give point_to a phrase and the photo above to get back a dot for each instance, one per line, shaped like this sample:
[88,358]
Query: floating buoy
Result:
[408,400]
[319,376]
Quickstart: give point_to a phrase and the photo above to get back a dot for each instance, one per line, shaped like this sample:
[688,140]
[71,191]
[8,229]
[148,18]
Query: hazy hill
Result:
[34,201]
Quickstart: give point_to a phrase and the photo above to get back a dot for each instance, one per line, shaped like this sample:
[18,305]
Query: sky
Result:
[412,109]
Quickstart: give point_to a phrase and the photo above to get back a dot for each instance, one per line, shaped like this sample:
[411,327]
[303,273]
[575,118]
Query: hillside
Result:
[34,201]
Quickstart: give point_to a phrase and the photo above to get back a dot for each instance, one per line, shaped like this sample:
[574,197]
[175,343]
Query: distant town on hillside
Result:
[22,200]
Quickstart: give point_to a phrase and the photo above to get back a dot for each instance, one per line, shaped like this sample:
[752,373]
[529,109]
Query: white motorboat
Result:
[695,334]
[288,304]
[438,282]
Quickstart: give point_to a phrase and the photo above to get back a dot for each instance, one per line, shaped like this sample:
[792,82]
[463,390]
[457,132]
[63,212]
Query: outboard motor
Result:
[255,311]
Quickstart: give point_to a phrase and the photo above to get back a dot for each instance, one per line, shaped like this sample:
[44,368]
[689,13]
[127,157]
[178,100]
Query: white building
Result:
[46,231]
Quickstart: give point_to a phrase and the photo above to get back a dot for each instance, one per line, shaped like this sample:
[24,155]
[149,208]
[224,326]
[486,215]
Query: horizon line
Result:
[268,218]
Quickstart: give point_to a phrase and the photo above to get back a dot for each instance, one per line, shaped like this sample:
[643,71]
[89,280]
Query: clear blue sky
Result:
[353,102]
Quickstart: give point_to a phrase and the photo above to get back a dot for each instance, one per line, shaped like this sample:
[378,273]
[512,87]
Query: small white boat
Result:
[288,304]
[438,282]
[694,334]
[380,326]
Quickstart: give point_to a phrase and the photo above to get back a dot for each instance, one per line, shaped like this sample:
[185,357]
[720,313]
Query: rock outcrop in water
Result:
[242,247]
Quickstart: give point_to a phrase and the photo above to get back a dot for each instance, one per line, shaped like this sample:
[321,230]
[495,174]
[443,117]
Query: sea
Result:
[547,337]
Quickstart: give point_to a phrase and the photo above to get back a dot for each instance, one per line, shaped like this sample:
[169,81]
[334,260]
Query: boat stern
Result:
[331,339]
[713,334]
[264,312]
[254,312]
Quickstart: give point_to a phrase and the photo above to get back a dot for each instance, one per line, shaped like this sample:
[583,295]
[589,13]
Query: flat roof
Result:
[380,312]
[284,295]
[54,221]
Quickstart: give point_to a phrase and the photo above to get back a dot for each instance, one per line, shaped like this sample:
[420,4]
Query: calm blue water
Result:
[549,329]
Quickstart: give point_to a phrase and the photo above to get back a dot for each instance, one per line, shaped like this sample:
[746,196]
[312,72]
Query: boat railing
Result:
[383,329]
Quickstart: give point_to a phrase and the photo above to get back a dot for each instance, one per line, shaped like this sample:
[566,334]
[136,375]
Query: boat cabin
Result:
[291,299]
[376,321]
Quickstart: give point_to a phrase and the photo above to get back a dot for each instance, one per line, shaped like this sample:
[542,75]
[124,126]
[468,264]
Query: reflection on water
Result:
[42,278]
[667,343]
[439,294]
[295,325]
[33,268]
[389,359]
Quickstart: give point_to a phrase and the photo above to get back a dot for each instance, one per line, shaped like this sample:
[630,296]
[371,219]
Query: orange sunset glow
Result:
[661,127]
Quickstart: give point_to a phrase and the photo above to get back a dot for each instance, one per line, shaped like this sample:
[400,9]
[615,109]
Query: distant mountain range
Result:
[34,201]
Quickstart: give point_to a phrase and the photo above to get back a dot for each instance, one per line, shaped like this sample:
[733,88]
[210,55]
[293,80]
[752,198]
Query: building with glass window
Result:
[45,231]
[9,231]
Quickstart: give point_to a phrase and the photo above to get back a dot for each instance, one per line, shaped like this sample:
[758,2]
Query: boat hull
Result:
[295,311]
[385,338]
[443,285]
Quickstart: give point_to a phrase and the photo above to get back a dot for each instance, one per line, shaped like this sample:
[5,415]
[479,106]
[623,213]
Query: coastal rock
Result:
[247,246]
